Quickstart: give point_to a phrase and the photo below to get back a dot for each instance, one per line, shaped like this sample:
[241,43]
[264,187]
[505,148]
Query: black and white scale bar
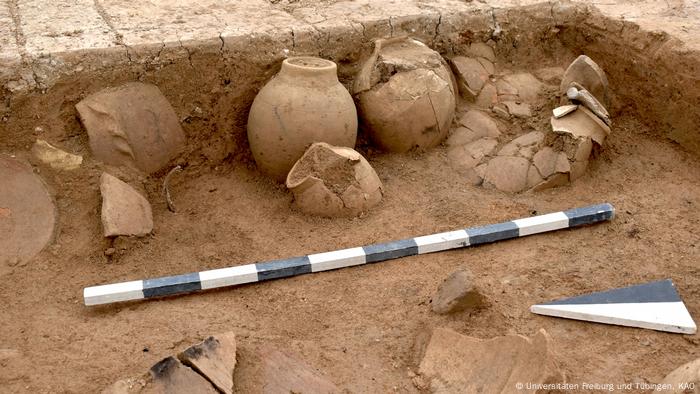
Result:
[276,269]
[654,305]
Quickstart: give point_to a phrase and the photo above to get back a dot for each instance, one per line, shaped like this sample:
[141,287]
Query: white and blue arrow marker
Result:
[275,269]
[654,305]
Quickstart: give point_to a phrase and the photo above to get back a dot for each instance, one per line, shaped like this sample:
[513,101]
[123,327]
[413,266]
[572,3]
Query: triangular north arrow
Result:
[654,305]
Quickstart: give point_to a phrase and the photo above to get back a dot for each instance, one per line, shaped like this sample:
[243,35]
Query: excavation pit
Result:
[357,325]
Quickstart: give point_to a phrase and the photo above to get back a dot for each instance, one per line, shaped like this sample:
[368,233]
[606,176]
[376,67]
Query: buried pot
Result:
[406,95]
[334,181]
[304,103]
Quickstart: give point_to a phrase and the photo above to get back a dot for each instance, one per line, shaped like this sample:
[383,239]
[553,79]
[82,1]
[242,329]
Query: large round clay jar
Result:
[304,103]
[406,95]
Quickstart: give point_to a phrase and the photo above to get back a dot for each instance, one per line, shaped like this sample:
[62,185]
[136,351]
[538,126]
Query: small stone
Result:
[488,97]
[581,123]
[684,379]
[545,160]
[457,293]
[132,125]
[124,210]
[170,376]
[54,157]
[518,109]
[527,86]
[586,72]
[480,49]
[481,123]
[215,359]
[110,251]
[507,173]
[456,363]
[564,110]
[555,180]
[470,74]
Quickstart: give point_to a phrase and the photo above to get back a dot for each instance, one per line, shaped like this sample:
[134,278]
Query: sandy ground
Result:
[357,325]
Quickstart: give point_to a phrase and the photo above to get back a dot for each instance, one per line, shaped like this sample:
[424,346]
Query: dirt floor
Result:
[357,325]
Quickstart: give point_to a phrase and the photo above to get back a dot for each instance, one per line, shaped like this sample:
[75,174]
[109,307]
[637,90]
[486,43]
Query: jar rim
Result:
[310,63]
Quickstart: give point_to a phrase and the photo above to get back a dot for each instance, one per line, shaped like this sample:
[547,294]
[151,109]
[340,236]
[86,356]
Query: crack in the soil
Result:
[118,37]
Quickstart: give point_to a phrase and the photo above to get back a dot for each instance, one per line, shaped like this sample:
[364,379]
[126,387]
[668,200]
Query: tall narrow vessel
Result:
[304,103]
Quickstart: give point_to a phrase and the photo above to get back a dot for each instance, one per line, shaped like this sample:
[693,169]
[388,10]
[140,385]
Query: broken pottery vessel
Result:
[132,125]
[406,95]
[28,216]
[334,181]
[590,76]
[124,210]
[304,103]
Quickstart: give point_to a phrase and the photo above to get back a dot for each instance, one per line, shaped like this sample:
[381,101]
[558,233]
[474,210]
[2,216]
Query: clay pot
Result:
[406,95]
[334,181]
[304,103]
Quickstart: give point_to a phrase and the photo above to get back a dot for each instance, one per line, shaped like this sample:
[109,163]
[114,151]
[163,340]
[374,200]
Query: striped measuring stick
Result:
[283,268]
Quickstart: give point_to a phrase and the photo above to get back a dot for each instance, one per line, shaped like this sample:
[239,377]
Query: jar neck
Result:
[310,70]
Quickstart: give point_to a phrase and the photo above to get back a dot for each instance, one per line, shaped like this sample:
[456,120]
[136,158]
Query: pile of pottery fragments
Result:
[303,126]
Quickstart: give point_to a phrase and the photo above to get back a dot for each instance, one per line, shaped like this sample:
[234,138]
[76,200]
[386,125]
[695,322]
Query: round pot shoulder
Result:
[304,103]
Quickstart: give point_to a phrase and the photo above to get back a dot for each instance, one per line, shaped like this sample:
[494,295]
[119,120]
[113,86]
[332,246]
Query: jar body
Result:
[304,103]
[405,95]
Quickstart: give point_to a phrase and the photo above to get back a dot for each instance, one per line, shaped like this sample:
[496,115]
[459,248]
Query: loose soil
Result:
[357,325]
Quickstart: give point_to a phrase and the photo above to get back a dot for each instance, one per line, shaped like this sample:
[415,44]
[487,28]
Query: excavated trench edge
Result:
[211,83]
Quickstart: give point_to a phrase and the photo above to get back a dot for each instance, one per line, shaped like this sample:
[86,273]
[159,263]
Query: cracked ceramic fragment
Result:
[124,210]
[132,125]
[508,173]
[456,363]
[518,109]
[481,123]
[527,86]
[563,110]
[54,157]
[468,156]
[581,123]
[586,72]
[304,103]
[576,93]
[405,95]
[471,76]
[480,49]
[488,97]
[334,181]
[27,214]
